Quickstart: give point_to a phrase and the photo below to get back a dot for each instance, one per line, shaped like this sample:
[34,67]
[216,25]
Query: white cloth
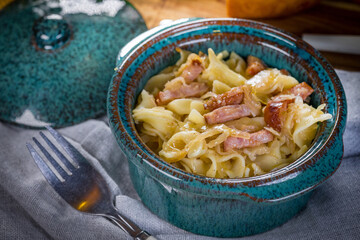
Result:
[31,209]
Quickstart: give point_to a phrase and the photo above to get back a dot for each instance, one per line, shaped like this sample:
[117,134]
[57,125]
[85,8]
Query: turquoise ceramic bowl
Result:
[225,207]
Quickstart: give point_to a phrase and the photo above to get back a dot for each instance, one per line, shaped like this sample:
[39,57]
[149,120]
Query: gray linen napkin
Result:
[31,209]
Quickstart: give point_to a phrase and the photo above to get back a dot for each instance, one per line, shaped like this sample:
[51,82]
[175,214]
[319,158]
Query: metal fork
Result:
[84,188]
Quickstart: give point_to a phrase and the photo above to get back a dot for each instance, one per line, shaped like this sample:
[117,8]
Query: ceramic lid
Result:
[57,58]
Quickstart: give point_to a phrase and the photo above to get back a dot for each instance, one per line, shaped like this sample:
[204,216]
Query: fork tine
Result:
[67,163]
[44,168]
[73,153]
[58,168]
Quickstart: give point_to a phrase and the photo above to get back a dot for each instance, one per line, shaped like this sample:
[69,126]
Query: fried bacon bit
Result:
[256,139]
[227,113]
[254,66]
[275,110]
[177,88]
[232,97]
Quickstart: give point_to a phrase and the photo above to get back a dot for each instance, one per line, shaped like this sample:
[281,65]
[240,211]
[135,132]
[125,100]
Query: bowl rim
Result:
[288,171]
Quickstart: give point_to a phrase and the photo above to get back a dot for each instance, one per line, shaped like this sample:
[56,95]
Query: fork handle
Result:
[128,226]
[144,236]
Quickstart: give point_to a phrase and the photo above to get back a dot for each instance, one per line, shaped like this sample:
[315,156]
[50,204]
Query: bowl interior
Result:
[273,46]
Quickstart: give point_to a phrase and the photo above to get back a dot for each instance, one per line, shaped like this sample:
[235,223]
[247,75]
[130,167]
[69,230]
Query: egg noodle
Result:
[180,131]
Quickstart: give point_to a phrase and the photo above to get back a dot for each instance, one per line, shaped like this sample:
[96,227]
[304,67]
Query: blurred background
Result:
[317,21]
[332,26]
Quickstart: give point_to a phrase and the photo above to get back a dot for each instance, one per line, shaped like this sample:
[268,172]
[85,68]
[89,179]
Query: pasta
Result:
[222,116]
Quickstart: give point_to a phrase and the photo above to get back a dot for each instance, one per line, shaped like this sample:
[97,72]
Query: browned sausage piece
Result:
[275,114]
[232,97]
[275,110]
[284,72]
[254,66]
[194,89]
[227,113]
[192,71]
[302,89]
[256,139]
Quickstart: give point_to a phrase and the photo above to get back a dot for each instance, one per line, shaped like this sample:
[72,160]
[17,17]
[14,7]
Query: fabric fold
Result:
[31,209]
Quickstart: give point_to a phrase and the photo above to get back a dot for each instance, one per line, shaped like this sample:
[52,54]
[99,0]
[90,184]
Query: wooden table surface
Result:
[328,17]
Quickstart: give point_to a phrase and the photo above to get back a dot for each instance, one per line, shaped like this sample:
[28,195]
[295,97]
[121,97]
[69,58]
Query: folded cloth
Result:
[31,209]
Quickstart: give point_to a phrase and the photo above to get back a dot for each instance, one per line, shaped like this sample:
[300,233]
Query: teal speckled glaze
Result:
[226,207]
[57,58]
